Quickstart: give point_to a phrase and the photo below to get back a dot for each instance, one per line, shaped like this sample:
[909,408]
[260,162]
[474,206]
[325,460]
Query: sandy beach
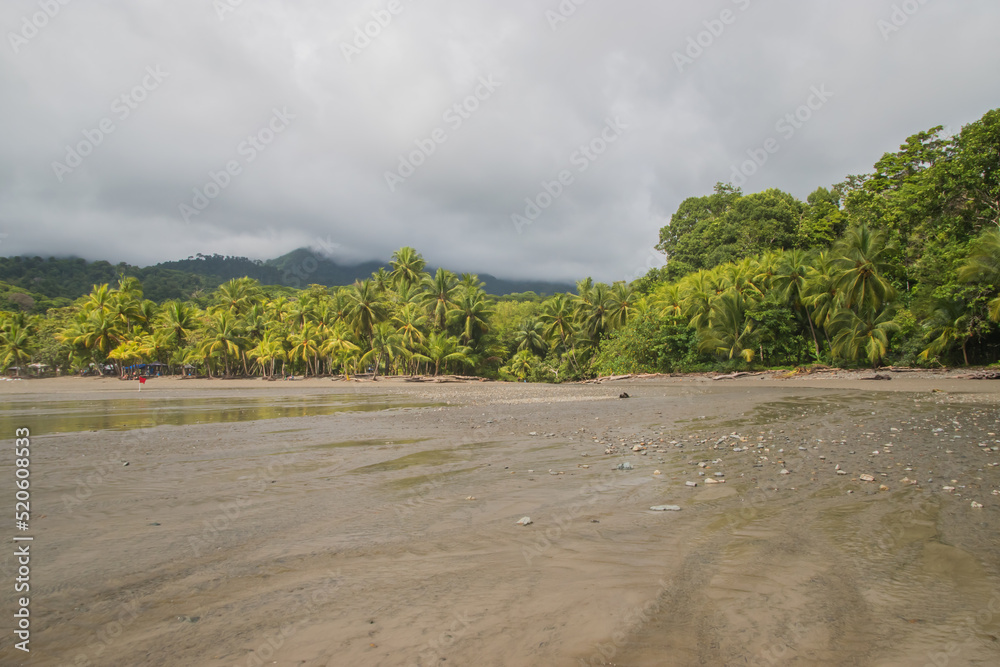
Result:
[327,523]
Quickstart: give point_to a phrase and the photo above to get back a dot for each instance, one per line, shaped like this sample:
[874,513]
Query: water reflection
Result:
[123,414]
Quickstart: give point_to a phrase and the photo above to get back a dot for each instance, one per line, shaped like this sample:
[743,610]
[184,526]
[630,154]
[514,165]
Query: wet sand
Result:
[388,535]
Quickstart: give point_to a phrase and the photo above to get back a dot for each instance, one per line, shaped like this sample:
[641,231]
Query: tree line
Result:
[901,265]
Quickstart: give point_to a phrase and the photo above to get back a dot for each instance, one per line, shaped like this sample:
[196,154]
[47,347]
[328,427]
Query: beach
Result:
[820,521]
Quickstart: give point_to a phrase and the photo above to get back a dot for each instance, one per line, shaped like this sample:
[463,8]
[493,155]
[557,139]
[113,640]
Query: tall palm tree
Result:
[440,294]
[863,259]
[238,294]
[268,351]
[338,345]
[223,338]
[471,314]
[790,278]
[558,320]
[621,304]
[386,345]
[16,345]
[305,346]
[364,308]
[407,267]
[530,337]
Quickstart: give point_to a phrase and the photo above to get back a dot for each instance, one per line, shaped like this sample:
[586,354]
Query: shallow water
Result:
[123,414]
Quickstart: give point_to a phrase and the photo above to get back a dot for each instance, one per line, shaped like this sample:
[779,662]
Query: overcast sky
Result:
[150,131]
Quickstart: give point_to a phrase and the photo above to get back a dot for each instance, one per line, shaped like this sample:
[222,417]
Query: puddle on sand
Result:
[124,414]
[431,457]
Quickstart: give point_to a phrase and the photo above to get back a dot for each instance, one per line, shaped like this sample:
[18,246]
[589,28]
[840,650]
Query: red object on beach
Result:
[142,380]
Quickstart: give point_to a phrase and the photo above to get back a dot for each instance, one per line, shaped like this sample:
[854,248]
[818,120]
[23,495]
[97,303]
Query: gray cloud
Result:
[323,175]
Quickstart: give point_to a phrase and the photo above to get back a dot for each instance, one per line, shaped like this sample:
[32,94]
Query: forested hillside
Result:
[900,265]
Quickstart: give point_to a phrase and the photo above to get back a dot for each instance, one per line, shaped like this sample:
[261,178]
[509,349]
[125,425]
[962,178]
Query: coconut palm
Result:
[789,280]
[16,344]
[305,346]
[364,308]
[442,348]
[730,333]
[269,350]
[530,337]
[983,266]
[238,294]
[950,323]
[441,292]
[862,261]
[620,305]
[864,335]
[558,320]
[386,345]
[407,267]
[471,314]
[337,344]
[223,338]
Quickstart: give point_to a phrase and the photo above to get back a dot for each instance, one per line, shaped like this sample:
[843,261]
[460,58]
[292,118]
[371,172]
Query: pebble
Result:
[665,508]
[785,471]
[866,478]
[471,498]
[841,472]
[977,506]
[657,472]
[525,521]
[690,483]
[624,466]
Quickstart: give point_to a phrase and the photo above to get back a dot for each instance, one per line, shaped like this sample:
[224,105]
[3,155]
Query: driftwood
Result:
[877,376]
[732,376]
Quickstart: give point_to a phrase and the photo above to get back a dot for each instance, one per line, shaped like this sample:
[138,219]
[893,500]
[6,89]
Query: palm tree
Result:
[444,348]
[983,266]
[16,344]
[950,323]
[440,295]
[531,337]
[305,346]
[730,332]
[269,350]
[789,279]
[558,320]
[865,335]
[178,318]
[407,267]
[699,290]
[386,345]
[862,261]
[337,345]
[621,303]
[223,338]
[364,308]
[238,294]
[471,314]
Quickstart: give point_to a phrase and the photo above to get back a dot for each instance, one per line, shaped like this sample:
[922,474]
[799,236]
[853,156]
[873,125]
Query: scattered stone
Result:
[471,498]
[883,488]
[691,484]
[657,472]
[785,471]
[124,463]
[533,433]
[866,478]
[525,521]
[665,508]
[948,488]
[624,466]
[977,506]
[624,395]
[841,472]
[582,465]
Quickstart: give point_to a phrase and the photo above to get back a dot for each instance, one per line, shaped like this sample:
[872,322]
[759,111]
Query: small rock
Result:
[866,478]
[471,498]
[690,483]
[883,488]
[525,521]
[785,471]
[977,506]
[841,472]
[124,463]
[657,472]
[947,488]
[625,466]
[666,508]
[533,433]
[623,395]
